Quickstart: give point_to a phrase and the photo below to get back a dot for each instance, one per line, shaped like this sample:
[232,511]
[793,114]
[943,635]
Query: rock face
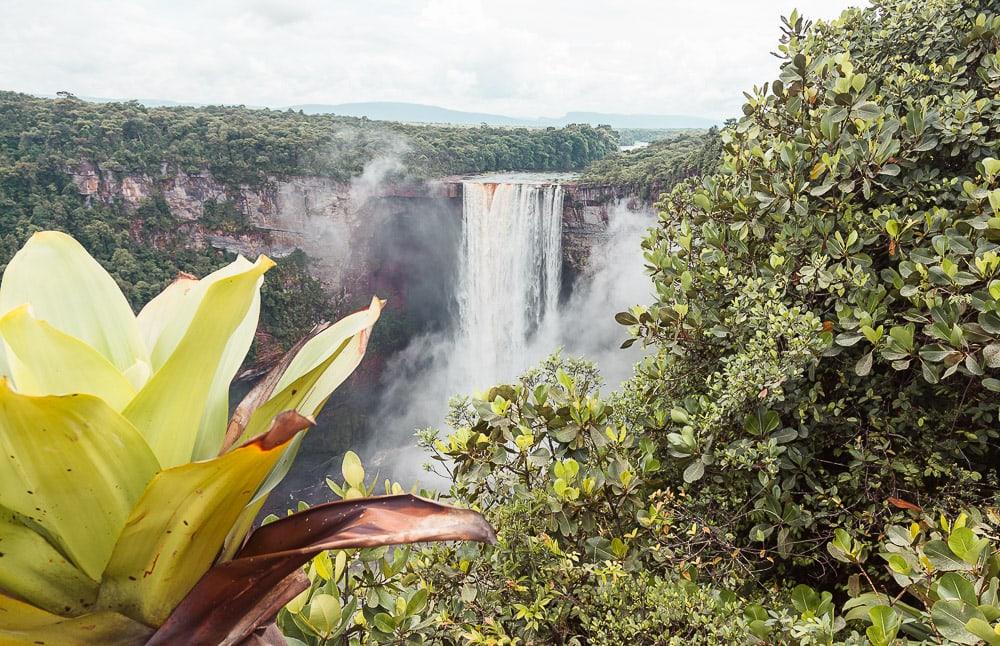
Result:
[586,215]
[317,214]
[339,225]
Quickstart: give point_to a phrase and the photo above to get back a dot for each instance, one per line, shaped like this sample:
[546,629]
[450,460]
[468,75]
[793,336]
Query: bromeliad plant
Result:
[126,498]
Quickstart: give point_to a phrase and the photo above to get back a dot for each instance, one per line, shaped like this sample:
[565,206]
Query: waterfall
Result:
[509,274]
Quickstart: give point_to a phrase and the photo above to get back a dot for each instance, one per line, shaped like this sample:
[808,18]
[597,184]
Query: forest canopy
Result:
[243,145]
[656,168]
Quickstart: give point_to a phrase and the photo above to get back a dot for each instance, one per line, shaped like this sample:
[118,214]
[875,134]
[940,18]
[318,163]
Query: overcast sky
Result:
[516,57]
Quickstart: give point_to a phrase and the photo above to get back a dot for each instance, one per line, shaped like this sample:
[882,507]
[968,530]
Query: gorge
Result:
[476,271]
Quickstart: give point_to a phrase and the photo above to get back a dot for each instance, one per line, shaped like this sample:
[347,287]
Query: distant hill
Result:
[420,113]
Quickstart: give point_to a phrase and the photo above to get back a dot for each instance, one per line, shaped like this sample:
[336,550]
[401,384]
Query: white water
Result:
[509,276]
[509,314]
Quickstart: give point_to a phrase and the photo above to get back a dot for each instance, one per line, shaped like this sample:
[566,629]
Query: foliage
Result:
[656,168]
[945,575]
[826,315]
[125,497]
[824,365]
[581,555]
[246,146]
[949,575]
[632,136]
[366,596]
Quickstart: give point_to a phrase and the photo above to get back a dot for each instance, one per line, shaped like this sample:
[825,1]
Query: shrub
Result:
[827,320]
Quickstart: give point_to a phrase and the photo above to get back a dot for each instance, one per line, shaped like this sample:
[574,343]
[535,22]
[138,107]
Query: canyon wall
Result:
[336,223]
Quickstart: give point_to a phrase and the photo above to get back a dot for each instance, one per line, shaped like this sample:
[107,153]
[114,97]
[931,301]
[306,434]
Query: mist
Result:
[419,381]
[410,251]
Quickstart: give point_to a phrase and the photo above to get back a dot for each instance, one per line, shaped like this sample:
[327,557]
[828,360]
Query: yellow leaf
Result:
[74,467]
[161,311]
[324,566]
[167,318]
[70,290]
[22,623]
[304,386]
[356,330]
[46,361]
[354,473]
[36,572]
[169,409]
[178,526]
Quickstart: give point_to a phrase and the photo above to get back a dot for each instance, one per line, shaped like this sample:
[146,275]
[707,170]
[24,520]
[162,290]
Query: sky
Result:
[524,58]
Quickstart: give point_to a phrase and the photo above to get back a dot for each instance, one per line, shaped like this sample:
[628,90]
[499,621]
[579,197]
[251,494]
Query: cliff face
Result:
[322,217]
[339,225]
[586,214]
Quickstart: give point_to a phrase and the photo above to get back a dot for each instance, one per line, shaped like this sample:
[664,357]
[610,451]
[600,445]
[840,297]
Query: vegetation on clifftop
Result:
[246,146]
[656,168]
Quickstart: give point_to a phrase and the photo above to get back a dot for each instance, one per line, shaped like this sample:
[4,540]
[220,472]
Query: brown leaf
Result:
[902,504]
[233,598]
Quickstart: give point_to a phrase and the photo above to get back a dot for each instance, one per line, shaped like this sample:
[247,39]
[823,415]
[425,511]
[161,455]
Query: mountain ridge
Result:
[425,113]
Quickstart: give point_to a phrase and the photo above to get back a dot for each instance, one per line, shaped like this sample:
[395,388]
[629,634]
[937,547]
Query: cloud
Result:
[520,57]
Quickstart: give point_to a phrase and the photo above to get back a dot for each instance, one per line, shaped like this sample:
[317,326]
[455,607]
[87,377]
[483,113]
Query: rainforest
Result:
[277,376]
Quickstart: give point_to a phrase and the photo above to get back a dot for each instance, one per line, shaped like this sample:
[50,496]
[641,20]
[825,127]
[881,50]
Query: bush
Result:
[827,317]
[582,553]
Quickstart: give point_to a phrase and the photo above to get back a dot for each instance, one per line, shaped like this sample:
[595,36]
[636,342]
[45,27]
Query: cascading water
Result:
[509,274]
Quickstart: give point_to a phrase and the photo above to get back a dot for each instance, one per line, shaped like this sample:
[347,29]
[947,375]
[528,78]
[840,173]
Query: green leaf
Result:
[626,318]
[324,613]
[950,618]
[983,630]
[72,292]
[966,545]
[297,603]
[873,335]
[864,365]
[954,587]
[384,623]
[991,355]
[942,558]
[842,546]
[417,602]
[885,625]
[805,600]
[898,564]
[762,422]
[73,467]
[694,471]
